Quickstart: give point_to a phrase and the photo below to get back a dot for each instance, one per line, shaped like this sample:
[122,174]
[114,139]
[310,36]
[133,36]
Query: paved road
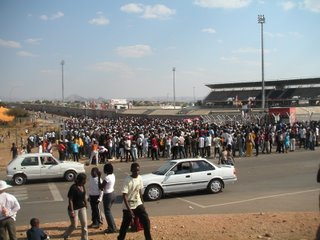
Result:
[268,183]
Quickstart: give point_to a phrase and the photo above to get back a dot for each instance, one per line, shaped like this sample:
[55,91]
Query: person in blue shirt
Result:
[75,151]
[35,232]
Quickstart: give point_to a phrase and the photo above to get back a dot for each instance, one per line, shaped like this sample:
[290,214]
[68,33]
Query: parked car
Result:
[33,166]
[184,175]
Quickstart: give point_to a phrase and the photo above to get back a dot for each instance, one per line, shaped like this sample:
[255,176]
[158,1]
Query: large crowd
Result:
[132,138]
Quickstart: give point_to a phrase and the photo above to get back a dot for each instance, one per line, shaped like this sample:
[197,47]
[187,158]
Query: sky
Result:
[128,49]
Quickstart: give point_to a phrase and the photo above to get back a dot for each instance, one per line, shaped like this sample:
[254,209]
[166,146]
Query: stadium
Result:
[286,100]
[280,93]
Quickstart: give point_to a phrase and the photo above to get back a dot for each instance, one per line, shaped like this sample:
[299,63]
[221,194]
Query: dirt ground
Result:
[272,226]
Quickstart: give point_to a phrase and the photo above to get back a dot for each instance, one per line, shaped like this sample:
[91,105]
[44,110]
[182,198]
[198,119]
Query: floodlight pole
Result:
[62,63]
[174,87]
[261,20]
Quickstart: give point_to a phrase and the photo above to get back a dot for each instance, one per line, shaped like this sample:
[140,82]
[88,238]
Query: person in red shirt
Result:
[61,150]
[154,148]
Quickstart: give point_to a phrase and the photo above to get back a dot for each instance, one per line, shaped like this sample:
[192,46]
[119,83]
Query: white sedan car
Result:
[41,166]
[183,175]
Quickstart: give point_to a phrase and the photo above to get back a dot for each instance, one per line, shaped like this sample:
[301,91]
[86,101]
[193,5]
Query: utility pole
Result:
[62,63]
[174,87]
[261,20]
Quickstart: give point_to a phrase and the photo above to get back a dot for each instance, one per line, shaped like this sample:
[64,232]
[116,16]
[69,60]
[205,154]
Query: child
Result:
[35,232]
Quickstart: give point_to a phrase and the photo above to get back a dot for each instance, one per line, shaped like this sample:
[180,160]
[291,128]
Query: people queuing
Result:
[131,138]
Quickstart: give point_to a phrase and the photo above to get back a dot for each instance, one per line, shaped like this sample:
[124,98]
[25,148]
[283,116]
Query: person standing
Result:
[61,150]
[134,150]
[249,144]
[175,146]
[14,151]
[107,185]
[208,143]
[95,197]
[201,146]
[154,148]
[77,207]
[9,206]
[133,203]
[127,149]
[94,152]
[75,151]
[181,149]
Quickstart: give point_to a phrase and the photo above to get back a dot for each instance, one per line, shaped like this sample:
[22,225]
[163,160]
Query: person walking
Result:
[77,207]
[9,206]
[107,185]
[14,151]
[133,203]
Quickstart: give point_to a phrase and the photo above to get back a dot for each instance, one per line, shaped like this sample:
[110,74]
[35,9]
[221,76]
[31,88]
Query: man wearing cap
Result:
[9,206]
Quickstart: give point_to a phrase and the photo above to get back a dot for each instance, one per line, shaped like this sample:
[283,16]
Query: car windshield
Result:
[164,168]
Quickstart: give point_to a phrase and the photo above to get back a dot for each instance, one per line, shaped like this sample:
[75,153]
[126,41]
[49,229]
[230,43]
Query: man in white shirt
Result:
[201,146]
[208,143]
[133,203]
[9,206]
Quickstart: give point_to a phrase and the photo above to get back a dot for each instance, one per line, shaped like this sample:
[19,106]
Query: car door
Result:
[31,167]
[49,167]
[201,174]
[180,180]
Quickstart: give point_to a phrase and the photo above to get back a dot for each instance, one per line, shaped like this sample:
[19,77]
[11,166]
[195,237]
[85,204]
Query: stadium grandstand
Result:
[286,100]
[278,93]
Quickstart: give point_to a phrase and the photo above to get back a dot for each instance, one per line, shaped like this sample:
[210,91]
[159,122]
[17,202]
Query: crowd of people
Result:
[132,138]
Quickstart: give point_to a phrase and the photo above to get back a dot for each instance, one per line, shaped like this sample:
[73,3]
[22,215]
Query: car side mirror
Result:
[170,173]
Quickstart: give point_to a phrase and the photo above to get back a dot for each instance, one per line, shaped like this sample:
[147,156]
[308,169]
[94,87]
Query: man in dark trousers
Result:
[14,151]
[133,203]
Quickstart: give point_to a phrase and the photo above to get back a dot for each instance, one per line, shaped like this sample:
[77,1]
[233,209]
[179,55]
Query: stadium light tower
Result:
[261,20]
[62,63]
[174,87]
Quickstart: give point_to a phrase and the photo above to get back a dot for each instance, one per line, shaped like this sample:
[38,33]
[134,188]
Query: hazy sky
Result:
[125,49]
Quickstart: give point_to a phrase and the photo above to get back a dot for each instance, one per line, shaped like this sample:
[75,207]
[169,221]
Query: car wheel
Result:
[153,193]
[215,186]
[70,176]
[19,179]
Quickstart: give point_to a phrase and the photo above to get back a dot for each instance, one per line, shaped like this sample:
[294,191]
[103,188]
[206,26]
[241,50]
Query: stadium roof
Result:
[276,83]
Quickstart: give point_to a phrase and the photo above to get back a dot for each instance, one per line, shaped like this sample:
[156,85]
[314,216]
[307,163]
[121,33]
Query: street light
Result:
[174,88]
[62,63]
[261,20]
